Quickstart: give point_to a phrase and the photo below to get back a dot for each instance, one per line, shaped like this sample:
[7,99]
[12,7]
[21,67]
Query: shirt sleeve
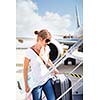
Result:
[28,54]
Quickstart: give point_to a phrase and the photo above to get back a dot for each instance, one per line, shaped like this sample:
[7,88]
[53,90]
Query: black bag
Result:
[61,83]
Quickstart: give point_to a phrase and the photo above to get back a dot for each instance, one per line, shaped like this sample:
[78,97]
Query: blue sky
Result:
[61,7]
[58,16]
[57,6]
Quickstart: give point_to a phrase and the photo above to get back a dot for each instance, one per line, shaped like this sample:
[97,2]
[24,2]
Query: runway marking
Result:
[73,75]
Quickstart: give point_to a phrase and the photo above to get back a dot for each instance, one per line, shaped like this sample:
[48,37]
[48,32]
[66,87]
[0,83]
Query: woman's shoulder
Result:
[28,50]
[29,53]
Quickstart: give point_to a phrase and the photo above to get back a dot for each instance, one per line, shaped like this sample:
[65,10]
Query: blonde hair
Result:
[42,33]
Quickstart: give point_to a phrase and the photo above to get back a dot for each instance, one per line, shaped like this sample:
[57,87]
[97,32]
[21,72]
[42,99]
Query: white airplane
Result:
[57,49]
[70,40]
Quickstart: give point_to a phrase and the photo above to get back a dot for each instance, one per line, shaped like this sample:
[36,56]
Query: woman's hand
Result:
[27,89]
[56,71]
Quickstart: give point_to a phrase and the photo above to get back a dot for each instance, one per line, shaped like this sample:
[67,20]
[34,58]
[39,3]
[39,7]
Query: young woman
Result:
[37,57]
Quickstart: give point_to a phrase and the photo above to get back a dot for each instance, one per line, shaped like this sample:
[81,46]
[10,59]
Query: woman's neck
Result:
[37,47]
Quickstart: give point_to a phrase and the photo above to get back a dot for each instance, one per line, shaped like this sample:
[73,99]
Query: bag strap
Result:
[39,56]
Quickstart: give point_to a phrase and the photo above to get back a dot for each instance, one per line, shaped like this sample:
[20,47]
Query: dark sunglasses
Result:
[47,40]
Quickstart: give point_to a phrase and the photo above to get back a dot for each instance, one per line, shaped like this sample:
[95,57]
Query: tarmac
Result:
[74,77]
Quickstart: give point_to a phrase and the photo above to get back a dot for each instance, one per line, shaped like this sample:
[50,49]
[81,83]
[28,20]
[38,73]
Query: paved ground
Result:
[78,72]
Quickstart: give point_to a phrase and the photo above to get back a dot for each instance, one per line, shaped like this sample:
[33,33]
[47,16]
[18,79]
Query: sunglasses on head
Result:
[47,40]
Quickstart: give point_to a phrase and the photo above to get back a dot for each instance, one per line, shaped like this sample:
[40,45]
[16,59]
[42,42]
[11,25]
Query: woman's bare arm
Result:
[26,64]
[52,65]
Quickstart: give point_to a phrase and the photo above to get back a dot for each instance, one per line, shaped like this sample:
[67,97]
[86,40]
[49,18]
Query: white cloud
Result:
[28,19]
[56,23]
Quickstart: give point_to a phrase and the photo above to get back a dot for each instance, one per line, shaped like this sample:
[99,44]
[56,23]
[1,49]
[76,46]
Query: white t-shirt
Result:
[38,68]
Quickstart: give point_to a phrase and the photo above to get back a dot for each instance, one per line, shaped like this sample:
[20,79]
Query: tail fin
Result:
[77,17]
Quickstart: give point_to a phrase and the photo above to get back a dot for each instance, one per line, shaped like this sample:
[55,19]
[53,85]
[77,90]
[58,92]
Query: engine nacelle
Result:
[56,50]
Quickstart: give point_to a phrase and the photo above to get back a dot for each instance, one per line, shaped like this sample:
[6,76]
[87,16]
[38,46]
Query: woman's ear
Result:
[39,38]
